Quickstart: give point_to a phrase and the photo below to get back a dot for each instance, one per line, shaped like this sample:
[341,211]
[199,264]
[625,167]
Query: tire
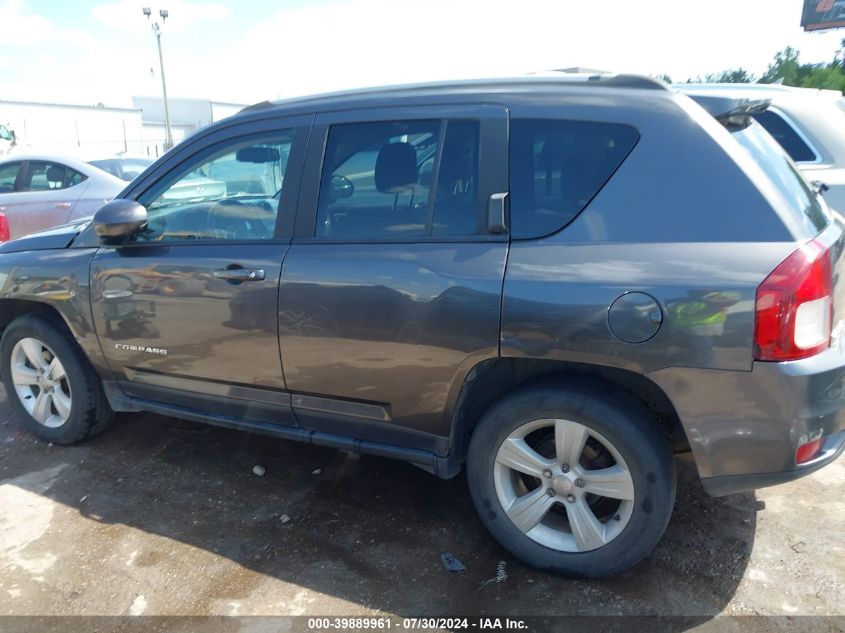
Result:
[72,407]
[619,435]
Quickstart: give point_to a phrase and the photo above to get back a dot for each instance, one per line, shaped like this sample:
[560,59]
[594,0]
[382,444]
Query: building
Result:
[98,130]
[86,130]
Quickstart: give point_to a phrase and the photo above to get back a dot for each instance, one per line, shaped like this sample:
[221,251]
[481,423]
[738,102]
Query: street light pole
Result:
[157,30]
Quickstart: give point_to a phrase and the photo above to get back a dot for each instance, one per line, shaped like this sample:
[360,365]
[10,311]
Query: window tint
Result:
[8,175]
[231,195]
[377,180]
[456,197]
[556,167]
[43,176]
[786,135]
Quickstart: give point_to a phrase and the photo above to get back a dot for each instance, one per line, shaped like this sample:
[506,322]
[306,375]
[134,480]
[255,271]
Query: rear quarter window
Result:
[557,167]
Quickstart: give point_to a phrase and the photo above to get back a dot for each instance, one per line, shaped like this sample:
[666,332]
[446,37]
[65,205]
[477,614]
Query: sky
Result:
[244,51]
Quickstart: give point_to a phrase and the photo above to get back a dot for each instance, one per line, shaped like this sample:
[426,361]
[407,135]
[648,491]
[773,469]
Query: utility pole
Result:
[168,143]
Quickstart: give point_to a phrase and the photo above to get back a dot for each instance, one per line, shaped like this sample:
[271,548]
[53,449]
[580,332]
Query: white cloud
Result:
[126,15]
[371,42]
[349,43]
[20,27]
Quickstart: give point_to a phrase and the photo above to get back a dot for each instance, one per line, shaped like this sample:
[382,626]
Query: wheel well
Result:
[491,380]
[11,309]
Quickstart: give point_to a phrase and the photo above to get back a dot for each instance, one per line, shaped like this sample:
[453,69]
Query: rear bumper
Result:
[745,426]
[731,484]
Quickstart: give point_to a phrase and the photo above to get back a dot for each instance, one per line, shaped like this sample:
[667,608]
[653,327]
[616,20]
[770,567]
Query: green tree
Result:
[734,76]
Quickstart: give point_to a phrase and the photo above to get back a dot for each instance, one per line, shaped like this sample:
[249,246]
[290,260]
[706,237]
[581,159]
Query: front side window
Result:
[390,180]
[44,176]
[233,194]
[8,175]
[786,135]
[557,167]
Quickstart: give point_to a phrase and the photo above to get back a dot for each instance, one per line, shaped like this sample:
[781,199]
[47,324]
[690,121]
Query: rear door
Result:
[391,289]
[44,197]
[187,312]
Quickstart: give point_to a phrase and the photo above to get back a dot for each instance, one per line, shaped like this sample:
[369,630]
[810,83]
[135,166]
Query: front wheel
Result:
[571,479]
[50,383]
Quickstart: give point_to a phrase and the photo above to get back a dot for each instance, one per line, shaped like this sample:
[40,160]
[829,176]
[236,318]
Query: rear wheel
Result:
[571,480]
[50,383]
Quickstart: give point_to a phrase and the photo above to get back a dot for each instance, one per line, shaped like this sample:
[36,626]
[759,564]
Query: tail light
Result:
[794,308]
[4,228]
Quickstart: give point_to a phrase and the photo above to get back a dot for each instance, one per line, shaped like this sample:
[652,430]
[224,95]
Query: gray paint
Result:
[368,345]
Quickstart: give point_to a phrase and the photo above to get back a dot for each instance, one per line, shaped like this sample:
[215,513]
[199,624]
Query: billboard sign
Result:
[823,14]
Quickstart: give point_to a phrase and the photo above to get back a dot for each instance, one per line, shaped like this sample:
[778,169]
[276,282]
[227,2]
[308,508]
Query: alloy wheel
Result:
[564,485]
[40,382]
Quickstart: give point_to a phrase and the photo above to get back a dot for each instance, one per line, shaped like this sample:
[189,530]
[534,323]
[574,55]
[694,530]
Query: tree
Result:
[736,76]
[786,68]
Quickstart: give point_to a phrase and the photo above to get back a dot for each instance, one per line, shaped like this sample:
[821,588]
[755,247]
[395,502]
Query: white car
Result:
[808,123]
[40,191]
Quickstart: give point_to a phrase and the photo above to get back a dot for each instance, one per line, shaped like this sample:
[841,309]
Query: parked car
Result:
[808,123]
[125,167]
[38,192]
[590,276]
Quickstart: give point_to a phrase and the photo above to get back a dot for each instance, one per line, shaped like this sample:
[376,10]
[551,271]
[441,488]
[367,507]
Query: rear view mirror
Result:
[257,155]
[341,187]
[118,220]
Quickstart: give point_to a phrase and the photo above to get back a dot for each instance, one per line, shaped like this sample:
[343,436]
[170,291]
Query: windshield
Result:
[782,171]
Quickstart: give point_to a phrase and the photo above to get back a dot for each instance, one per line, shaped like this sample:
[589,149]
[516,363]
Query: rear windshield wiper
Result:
[734,113]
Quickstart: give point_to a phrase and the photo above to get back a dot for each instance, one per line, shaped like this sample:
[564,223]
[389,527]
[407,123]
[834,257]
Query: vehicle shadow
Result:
[366,530]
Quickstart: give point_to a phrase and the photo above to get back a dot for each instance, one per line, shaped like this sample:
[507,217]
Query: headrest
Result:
[55,174]
[396,168]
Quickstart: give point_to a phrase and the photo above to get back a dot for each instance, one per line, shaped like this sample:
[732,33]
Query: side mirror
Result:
[341,187]
[118,220]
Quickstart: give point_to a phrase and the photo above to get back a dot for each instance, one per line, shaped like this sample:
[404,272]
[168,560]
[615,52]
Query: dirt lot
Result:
[163,517]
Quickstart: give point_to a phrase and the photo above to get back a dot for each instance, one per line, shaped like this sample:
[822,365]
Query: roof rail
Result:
[608,80]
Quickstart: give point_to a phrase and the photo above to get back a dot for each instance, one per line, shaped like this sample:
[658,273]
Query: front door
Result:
[186,312]
[391,289]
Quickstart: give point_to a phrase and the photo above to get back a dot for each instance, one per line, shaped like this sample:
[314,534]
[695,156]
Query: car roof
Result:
[757,91]
[541,82]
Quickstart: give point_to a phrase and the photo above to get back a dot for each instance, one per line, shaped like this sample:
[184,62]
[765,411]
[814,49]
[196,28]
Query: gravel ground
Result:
[165,517]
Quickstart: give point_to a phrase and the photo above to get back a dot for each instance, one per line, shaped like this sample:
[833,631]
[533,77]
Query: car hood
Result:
[57,237]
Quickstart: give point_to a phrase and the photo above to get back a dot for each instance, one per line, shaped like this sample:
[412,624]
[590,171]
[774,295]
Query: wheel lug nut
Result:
[547,474]
[570,498]
[565,468]
[550,492]
[579,482]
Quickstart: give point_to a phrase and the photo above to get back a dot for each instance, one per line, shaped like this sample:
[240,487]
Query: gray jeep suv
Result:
[556,282]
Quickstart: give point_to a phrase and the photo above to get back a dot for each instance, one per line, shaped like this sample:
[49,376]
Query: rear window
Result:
[557,167]
[124,168]
[787,136]
[783,173]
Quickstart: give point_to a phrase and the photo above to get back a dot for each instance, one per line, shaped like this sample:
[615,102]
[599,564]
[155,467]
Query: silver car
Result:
[808,123]
[40,191]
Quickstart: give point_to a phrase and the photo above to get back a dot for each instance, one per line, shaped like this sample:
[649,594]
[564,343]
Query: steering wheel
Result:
[230,218]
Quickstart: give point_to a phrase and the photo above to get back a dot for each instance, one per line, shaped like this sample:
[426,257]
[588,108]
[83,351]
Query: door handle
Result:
[62,205]
[239,274]
[497,213]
